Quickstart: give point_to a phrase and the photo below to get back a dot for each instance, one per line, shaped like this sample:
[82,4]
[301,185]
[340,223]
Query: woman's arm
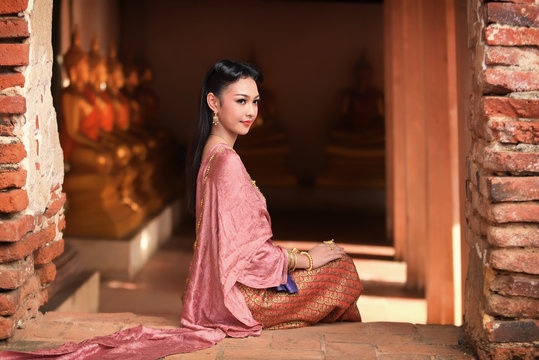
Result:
[321,254]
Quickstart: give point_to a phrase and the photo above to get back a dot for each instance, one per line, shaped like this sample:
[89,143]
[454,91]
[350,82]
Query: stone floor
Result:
[365,341]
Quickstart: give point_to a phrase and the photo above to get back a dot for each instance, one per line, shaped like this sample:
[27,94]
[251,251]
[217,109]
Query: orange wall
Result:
[305,49]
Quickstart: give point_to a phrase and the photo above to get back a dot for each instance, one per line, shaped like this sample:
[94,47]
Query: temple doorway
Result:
[318,150]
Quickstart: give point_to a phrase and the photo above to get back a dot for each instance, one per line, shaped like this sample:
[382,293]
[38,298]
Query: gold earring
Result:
[215,119]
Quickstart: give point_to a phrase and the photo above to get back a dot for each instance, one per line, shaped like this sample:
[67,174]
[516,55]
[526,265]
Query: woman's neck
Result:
[221,133]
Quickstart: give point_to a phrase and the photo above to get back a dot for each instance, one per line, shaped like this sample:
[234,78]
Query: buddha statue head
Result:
[98,67]
[115,78]
[76,62]
[363,73]
[131,77]
[146,75]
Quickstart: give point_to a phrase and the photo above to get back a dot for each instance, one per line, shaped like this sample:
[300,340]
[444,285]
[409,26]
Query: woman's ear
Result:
[213,102]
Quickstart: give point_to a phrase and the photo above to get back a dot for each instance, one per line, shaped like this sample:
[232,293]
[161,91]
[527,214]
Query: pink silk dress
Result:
[234,262]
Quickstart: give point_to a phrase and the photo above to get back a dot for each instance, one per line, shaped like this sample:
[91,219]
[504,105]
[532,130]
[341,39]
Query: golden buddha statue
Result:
[162,148]
[149,196]
[356,146]
[93,178]
[80,125]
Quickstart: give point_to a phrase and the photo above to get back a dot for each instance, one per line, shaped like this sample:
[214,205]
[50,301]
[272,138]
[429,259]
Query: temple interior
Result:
[316,150]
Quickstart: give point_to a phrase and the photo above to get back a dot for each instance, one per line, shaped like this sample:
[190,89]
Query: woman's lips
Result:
[246,122]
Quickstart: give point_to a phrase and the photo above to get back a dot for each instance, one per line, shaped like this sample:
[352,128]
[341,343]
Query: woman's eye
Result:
[241,101]
[257,101]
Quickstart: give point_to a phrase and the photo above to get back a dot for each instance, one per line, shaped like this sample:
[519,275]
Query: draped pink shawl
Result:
[233,245]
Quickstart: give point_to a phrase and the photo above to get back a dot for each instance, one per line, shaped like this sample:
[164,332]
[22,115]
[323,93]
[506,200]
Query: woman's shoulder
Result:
[225,158]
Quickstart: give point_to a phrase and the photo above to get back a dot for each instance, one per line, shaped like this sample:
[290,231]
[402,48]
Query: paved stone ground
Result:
[365,341]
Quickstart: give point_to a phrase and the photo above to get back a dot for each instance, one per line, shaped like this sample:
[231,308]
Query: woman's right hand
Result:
[324,253]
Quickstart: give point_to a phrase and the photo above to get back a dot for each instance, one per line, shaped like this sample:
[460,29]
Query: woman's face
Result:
[237,107]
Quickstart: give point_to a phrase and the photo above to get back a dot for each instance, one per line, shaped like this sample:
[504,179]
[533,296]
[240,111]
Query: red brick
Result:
[512,307]
[6,126]
[15,228]
[512,161]
[12,105]
[49,252]
[511,14]
[516,285]
[13,27]
[512,330]
[61,223]
[11,300]
[500,213]
[7,324]
[477,224]
[10,80]
[27,245]
[512,36]
[14,274]
[517,260]
[511,107]
[517,351]
[512,132]
[13,6]
[518,1]
[13,201]
[12,178]
[507,188]
[55,206]
[511,56]
[12,153]
[514,235]
[505,80]
[14,54]
[46,273]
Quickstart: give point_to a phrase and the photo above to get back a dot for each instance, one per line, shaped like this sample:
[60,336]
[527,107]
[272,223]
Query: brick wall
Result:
[31,163]
[502,208]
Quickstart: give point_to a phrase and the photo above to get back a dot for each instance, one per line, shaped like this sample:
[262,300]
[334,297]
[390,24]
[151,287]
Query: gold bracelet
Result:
[293,252]
[289,260]
[310,259]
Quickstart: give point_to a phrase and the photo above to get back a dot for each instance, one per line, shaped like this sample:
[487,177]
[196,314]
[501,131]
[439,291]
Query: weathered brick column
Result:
[31,163]
[502,287]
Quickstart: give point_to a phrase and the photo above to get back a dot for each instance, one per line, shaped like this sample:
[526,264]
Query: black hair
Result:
[219,77]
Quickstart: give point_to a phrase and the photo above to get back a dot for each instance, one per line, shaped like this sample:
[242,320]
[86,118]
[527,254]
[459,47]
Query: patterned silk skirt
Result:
[326,294]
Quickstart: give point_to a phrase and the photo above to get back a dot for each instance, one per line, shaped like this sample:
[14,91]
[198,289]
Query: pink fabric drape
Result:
[233,246]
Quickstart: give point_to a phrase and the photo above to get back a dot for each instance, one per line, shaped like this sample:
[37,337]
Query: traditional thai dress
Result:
[236,267]
[233,277]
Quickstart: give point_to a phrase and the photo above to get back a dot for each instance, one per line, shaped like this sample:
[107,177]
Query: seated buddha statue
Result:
[151,198]
[95,91]
[134,150]
[80,121]
[93,178]
[356,145]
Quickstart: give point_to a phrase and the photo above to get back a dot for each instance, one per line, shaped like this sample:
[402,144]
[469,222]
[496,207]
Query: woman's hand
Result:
[324,253]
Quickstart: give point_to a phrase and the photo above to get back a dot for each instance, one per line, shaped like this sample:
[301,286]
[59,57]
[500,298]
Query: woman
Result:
[240,282]
[236,267]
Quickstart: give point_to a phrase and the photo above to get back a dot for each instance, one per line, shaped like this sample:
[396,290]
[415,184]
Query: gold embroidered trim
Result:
[204,192]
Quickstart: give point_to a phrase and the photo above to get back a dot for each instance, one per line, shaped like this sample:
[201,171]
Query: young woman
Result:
[240,282]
